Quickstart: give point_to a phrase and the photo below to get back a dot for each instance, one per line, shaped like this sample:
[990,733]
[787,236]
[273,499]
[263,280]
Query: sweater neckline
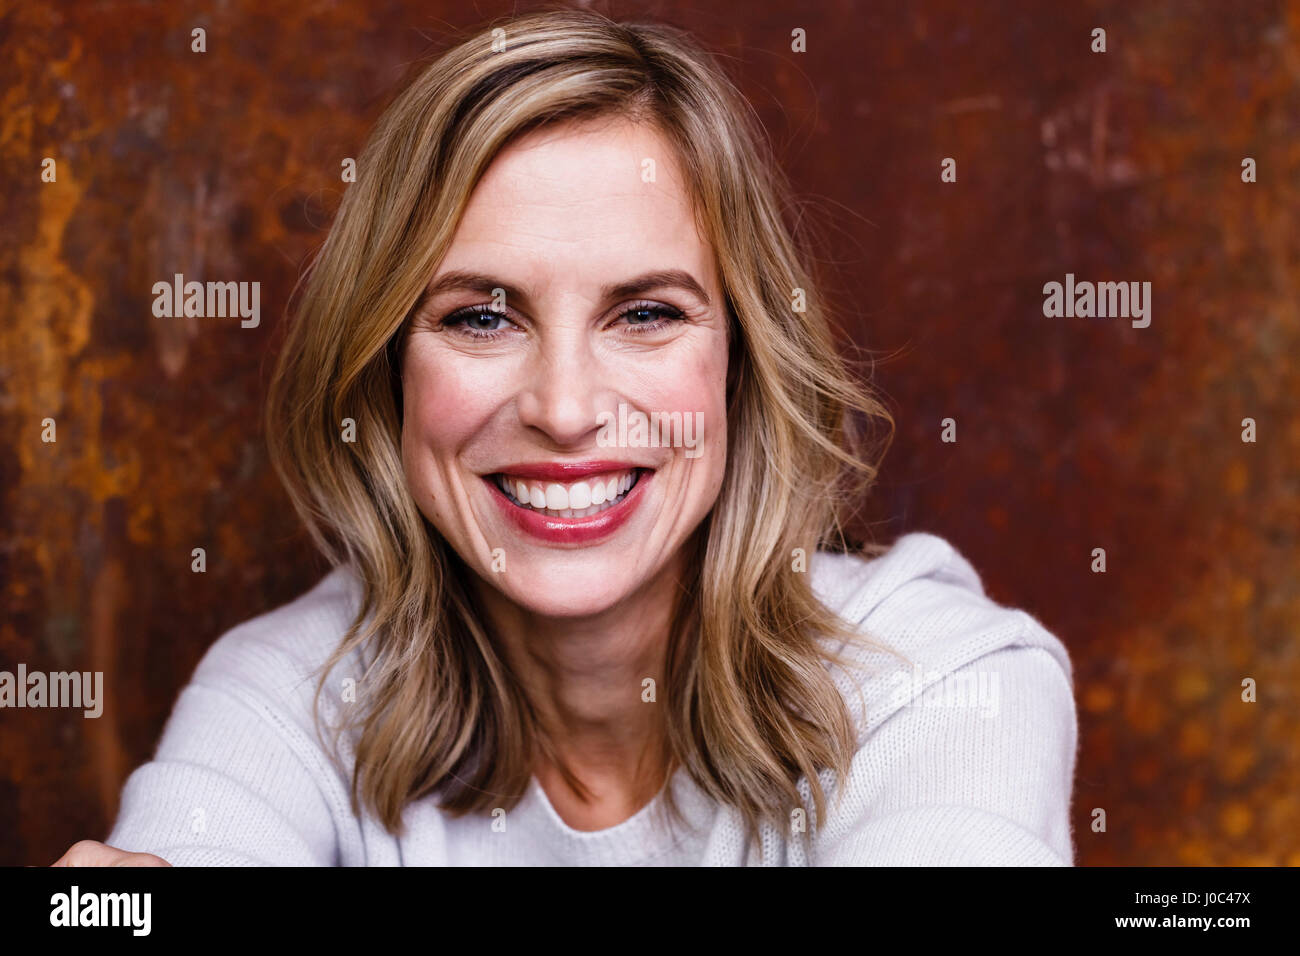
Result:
[640,839]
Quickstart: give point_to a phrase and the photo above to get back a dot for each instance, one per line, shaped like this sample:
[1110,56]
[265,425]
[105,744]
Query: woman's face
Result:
[564,379]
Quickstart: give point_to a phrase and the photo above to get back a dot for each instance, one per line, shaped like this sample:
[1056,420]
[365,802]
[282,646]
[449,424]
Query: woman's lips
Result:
[590,493]
[567,470]
[571,499]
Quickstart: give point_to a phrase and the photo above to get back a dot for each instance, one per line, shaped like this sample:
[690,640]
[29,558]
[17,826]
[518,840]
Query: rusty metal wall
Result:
[1072,433]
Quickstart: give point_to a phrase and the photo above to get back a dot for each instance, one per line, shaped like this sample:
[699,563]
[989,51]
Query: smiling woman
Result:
[560,212]
[539,649]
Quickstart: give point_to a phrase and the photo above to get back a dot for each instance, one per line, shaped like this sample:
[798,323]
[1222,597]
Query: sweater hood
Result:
[923,601]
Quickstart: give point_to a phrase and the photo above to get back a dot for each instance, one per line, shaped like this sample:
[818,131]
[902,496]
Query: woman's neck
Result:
[587,681]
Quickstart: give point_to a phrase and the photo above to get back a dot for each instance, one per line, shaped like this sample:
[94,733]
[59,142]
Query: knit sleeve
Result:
[236,779]
[964,776]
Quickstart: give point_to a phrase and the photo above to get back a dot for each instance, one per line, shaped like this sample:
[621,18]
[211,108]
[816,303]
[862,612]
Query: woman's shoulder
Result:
[920,615]
[242,740]
[281,651]
[966,721]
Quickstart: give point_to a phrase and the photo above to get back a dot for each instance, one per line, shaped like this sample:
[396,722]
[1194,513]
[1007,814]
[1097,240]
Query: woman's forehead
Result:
[606,198]
[584,170]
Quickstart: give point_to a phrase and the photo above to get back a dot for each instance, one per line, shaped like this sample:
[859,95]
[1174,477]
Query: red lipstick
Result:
[569,531]
[565,470]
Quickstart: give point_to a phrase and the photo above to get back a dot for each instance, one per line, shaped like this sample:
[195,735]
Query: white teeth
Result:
[557,497]
[580,496]
[576,500]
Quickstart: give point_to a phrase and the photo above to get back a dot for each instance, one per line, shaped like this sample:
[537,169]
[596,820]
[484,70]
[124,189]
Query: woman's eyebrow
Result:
[459,280]
[663,279]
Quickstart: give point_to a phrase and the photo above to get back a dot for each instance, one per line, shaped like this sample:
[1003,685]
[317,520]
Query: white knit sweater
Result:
[966,757]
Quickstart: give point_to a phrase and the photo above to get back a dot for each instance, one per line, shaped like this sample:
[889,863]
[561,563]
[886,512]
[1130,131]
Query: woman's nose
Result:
[561,395]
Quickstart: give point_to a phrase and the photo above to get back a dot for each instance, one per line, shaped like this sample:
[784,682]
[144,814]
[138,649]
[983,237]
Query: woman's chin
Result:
[562,595]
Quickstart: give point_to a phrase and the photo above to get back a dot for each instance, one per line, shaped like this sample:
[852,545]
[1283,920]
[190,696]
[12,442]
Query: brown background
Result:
[1073,433]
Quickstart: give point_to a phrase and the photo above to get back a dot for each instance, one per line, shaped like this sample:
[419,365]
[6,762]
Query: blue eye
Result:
[654,317]
[478,321]
[484,322]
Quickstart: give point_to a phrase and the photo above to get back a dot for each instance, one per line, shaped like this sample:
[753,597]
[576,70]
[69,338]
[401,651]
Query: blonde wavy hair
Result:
[751,706]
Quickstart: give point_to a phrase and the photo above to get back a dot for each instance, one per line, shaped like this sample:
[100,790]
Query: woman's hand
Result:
[92,853]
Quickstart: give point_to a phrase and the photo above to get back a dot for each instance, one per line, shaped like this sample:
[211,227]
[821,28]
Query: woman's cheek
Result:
[696,386]
[449,396]
[437,424]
